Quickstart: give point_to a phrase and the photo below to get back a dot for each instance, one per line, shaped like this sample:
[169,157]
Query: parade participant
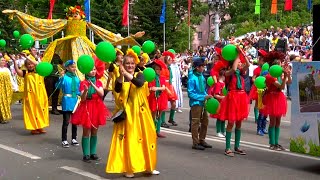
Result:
[69,84]
[217,92]
[235,106]
[50,82]
[143,59]
[274,100]
[35,100]
[91,113]
[134,141]
[197,96]
[157,98]
[176,82]
[7,86]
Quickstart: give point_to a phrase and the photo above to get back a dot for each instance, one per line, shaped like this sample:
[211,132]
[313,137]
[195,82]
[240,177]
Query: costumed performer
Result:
[176,82]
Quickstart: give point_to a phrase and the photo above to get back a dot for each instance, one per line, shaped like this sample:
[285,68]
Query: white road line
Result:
[22,153]
[83,173]
[244,144]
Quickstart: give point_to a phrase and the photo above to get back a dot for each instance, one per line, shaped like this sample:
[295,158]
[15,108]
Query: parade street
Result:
[28,157]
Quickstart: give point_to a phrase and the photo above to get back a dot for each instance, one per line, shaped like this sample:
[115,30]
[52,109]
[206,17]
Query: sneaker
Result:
[260,133]
[86,159]
[229,153]
[155,172]
[239,151]
[220,135]
[165,125]
[94,157]
[272,147]
[205,145]
[198,147]
[279,147]
[74,142]
[265,131]
[179,111]
[173,123]
[65,144]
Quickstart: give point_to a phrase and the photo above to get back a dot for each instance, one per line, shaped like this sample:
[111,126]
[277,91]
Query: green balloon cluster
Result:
[85,64]
[149,74]
[172,51]
[212,106]
[275,71]
[148,47]
[16,34]
[260,82]
[136,49]
[210,81]
[26,41]
[106,52]
[265,67]
[44,69]
[230,52]
[3,43]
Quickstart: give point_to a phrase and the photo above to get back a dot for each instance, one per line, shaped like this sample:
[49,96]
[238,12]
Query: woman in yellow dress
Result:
[35,99]
[134,141]
[7,85]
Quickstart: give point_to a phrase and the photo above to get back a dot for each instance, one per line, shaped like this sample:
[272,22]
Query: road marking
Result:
[251,145]
[83,173]
[22,153]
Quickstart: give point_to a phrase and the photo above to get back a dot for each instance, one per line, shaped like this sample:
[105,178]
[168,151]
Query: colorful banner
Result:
[305,108]
[274,7]
[87,10]
[257,7]
[288,5]
[163,13]
[309,5]
[52,2]
[125,13]
[189,11]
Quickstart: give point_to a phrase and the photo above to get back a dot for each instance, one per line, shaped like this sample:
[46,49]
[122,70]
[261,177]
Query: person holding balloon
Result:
[274,100]
[35,100]
[91,112]
[197,96]
[69,84]
[235,106]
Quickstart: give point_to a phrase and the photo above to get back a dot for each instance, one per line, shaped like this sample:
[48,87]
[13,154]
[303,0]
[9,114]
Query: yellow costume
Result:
[6,89]
[74,44]
[134,142]
[35,102]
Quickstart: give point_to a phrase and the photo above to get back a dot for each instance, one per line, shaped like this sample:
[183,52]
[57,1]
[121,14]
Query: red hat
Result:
[168,53]
[274,55]
[160,63]
[100,67]
[262,52]
[218,66]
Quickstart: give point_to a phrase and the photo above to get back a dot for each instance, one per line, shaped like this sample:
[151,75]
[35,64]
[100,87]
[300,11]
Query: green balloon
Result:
[136,49]
[212,105]
[210,81]
[16,34]
[224,91]
[106,52]
[230,52]
[3,43]
[44,41]
[148,47]
[44,69]
[265,67]
[275,71]
[149,74]
[85,64]
[172,51]
[260,82]
[26,41]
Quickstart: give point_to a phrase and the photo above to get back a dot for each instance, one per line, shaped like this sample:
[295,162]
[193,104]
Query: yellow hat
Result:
[146,57]
[118,51]
[130,52]
[6,57]
[27,52]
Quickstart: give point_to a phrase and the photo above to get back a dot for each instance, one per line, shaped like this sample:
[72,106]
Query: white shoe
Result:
[179,111]
[74,142]
[220,135]
[129,175]
[155,172]
[65,144]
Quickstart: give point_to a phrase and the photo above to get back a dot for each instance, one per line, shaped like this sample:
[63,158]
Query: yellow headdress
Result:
[145,57]
[118,51]
[130,52]
[27,52]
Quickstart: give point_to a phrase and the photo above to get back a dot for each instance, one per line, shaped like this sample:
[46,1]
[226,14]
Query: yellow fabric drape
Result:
[36,27]
[134,142]
[260,96]
[5,96]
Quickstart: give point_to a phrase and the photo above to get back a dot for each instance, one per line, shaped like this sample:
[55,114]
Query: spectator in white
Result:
[252,51]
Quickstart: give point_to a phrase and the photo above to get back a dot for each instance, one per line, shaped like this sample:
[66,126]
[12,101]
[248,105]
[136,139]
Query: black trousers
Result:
[65,124]
[50,83]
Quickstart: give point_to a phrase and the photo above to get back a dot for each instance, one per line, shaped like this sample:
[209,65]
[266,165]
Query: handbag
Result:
[121,115]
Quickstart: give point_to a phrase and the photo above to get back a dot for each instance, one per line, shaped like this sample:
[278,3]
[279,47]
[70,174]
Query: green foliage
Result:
[314,149]
[297,145]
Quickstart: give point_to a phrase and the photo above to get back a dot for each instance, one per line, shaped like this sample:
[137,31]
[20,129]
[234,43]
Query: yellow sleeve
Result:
[36,27]
[111,37]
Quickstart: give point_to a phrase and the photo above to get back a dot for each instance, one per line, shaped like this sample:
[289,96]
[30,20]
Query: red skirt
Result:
[91,113]
[161,102]
[253,95]
[275,104]
[172,95]
[235,106]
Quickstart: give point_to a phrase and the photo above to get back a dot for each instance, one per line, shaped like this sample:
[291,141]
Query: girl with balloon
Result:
[235,106]
[274,100]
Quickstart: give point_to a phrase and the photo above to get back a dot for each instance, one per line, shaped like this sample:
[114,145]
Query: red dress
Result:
[274,100]
[91,112]
[235,106]
[172,96]
[253,92]
[161,101]
[217,90]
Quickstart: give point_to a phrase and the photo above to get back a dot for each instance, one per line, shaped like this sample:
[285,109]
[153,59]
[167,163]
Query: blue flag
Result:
[163,13]
[309,4]
[87,10]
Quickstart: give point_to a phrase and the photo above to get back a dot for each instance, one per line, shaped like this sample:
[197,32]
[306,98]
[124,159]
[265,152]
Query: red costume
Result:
[159,103]
[253,92]
[217,90]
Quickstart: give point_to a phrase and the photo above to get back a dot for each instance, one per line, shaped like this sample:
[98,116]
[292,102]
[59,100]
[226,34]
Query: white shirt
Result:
[251,69]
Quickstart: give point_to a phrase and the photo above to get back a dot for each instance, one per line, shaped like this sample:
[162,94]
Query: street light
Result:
[218,6]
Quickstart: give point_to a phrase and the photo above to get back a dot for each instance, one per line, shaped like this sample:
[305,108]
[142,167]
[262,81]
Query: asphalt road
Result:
[27,157]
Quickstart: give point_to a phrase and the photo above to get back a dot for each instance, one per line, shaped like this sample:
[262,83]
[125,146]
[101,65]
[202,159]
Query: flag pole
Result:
[189,39]
[164,36]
